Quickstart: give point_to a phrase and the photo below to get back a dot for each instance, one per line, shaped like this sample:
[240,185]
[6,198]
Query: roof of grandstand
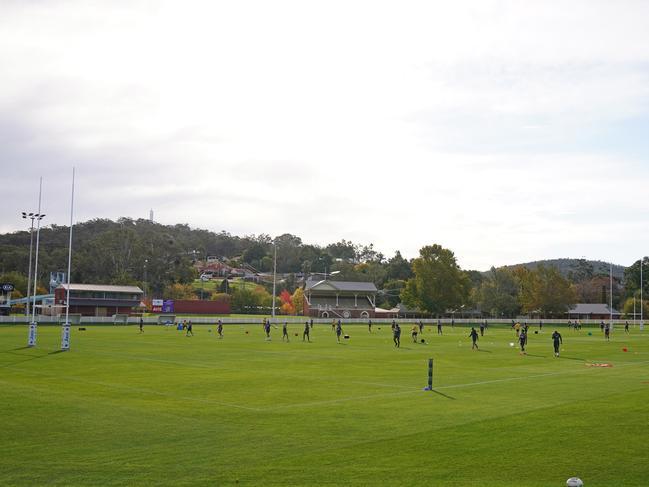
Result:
[347,286]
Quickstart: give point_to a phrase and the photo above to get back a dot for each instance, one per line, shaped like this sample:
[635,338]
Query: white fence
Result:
[153,320]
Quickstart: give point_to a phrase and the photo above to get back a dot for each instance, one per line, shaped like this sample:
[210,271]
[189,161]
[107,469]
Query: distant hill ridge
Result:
[575,267]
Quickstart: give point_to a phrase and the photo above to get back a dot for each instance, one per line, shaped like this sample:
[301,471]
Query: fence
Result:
[198,320]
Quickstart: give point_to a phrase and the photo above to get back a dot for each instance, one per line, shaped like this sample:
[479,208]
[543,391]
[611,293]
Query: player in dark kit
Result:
[219,329]
[482,323]
[421,327]
[189,329]
[267,329]
[474,338]
[141,325]
[306,332]
[626,327]
[339,330]
[396,335]
[369,326]
[439,327]
[285,331]
[607,332]
[522,339]
[557,340]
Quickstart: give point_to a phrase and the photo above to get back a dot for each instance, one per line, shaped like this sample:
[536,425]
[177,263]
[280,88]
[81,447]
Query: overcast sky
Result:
[505,131]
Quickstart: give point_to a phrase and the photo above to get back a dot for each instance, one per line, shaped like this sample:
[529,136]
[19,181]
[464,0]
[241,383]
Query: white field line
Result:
[313,403]
[452,386]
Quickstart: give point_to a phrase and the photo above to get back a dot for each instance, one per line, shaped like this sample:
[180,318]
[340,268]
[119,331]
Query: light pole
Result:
[32,337]
[39,216]
[641,301]
[145,263]
[274,277]
[31,216]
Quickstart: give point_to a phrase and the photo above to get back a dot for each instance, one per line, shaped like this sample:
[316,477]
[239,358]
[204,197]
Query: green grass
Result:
[161,409]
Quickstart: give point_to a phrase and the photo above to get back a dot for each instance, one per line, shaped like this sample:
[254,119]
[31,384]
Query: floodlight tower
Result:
[31,216]
[32,337]
[641,301]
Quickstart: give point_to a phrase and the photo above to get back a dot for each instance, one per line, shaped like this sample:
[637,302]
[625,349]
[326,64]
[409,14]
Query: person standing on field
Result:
[141,325]
[557,341]
[413,332]
[285,331]
[219,329]
[396,335]
[305,335]
[339,330]
[522,339]
[474,338]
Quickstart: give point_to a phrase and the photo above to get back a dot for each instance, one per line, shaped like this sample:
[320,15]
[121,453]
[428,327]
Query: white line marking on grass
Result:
[452,386]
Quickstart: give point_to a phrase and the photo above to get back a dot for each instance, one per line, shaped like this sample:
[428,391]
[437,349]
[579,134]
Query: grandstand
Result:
[339,299]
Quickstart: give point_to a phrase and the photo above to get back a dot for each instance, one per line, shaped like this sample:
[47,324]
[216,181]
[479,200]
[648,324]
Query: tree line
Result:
[162,258]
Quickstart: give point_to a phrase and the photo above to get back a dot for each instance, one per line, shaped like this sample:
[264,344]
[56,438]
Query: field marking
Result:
[451,386]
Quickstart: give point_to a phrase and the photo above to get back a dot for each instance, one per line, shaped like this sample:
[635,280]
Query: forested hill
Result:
[576,269]
[130,251]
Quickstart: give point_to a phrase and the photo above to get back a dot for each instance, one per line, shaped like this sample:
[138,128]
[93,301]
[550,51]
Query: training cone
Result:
[625,349]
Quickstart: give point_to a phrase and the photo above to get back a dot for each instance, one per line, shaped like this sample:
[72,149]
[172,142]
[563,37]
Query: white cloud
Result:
[469,124]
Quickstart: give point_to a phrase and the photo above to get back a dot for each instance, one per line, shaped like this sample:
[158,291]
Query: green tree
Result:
[628,307]
[398,268]
[438,283]
[545,290]
[498,293]
[179,291]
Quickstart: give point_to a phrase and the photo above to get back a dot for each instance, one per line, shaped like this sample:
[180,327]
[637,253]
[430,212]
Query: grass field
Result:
[161,409]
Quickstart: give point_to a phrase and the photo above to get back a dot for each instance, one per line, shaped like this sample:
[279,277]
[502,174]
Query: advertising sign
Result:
[156,305]
[168,306]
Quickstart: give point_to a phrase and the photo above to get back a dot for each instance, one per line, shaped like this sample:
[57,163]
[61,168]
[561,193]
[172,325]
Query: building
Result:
[5,298]
[99,299]
[592,311]
[339,299]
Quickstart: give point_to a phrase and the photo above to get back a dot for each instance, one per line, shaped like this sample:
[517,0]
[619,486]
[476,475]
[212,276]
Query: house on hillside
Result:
[339,299]
[592,311]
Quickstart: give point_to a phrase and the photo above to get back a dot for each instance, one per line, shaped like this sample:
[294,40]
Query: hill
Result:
[576,269]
